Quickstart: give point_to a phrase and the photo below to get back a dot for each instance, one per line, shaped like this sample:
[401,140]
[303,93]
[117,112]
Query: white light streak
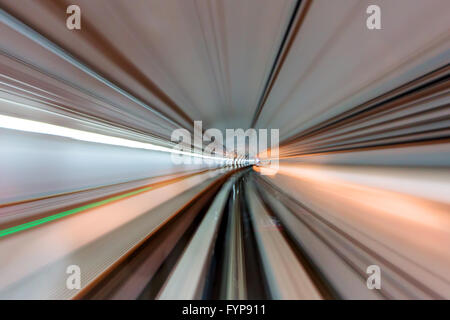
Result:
[14,123]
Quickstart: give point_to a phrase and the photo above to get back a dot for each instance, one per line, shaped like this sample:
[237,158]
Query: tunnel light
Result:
[13,123]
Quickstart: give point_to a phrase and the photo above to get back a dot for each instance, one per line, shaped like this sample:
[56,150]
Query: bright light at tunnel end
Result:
[251,145]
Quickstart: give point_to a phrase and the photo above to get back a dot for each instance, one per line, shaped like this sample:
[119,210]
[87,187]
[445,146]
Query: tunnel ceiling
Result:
[232,64]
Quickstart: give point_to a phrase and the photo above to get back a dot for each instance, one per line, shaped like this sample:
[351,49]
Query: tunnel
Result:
[224,150]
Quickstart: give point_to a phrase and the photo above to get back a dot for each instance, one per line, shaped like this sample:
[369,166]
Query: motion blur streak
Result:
[87,178]
[45,128]
[34,223]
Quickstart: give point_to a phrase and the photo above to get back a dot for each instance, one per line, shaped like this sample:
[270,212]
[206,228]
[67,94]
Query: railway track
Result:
[222,245]
[214,234]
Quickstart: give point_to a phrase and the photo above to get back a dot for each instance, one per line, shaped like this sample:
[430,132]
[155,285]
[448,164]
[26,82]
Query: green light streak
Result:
[63,214]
